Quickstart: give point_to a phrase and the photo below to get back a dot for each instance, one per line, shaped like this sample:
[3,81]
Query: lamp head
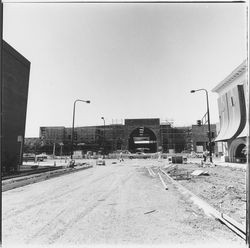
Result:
[192,91]
[87,101]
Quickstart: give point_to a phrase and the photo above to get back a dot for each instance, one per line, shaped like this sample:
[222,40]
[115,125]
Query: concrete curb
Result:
[232,165]
[31,172]
[208,209]
[162,181]
[22,181]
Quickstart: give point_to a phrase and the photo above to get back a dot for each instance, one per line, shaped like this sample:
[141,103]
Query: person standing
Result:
[121,158]
[204,156]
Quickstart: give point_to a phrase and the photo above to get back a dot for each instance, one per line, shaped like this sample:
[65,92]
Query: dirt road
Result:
[114,204]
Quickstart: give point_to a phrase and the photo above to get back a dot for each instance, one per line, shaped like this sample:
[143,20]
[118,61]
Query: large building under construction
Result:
[147,135]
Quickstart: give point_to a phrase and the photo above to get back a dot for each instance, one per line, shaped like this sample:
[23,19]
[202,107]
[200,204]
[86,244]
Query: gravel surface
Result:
[224,188]
[117,204]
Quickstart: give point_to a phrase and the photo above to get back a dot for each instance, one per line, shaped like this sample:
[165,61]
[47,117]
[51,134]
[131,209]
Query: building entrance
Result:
[142,139]
[240,153]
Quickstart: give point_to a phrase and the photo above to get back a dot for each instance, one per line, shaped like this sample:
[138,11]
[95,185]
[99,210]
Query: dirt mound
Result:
[224,188]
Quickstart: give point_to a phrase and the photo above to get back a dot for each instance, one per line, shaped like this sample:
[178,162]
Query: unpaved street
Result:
[114,204]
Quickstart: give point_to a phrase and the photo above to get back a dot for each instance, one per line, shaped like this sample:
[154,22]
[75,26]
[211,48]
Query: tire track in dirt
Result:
[46,205]
[13,214]
[55,228]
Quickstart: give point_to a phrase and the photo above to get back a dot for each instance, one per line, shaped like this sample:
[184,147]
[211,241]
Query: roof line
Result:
[235,73]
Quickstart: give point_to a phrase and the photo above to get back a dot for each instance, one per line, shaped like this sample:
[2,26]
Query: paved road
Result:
[114,204]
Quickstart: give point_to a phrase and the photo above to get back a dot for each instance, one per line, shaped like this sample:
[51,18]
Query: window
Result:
[232,101]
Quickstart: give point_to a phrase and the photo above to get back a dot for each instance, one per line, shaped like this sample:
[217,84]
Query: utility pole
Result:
[54,149]
[73,124]
[103,135]
[209,126]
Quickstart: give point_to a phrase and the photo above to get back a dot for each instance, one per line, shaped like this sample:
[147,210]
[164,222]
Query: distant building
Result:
[50,135]
[15,82]
[32,145]
[232,104]
[200,138]
[148,135]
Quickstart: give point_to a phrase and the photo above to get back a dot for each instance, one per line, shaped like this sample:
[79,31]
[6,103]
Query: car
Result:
[72,164]
[40,159]
[100,161]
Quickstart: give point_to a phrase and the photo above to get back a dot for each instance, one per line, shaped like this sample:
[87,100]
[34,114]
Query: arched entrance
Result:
[142,139]
[240,154]
[237,151]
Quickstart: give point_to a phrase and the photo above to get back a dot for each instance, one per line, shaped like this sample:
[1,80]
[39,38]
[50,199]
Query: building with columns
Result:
[232,102]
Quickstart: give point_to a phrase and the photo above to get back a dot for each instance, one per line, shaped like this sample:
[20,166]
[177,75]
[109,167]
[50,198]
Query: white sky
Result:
[130,60]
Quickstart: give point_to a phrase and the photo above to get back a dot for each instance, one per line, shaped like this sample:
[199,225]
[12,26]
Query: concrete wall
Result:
[15,82]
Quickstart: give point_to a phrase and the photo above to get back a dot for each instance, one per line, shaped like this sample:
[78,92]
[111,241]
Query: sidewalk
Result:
[20,181]
[217,161]
[233,165]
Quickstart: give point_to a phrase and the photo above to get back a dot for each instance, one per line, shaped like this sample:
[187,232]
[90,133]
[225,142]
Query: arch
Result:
[236,151]
[142,139]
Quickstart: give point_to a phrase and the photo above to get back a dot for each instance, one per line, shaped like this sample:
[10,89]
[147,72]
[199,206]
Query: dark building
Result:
[52,134]
[147,135]
[32,145]
[200,138]
[15,82]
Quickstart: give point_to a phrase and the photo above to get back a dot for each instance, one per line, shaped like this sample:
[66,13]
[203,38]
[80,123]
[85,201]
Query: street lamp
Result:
[73,123]
[208,119]
[103,135]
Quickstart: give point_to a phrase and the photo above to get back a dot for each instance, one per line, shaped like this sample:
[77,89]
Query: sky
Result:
[131,60]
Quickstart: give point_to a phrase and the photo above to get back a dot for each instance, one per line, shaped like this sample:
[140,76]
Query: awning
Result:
[243,134]
[232,111]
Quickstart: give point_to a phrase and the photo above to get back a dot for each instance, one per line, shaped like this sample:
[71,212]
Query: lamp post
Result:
[208,119]
[103,135]
[73,123]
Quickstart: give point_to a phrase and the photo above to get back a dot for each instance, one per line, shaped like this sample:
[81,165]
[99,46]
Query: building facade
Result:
[200,140]
[15,83]
[232,102]
[146,135]
[52,134]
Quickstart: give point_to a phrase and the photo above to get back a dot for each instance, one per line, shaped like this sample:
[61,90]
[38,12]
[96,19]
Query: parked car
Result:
[41,157]
[72,164]
[29,157]
[100,161]
[199,155]
[139,155]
